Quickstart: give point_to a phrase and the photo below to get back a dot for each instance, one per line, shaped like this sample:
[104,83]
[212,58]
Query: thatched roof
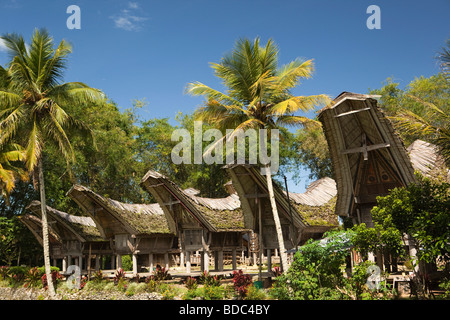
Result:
[426,159]
[114,217]
[317,204]
[34,224]
[213,214]
[368,156]
[315,207]
[69,226]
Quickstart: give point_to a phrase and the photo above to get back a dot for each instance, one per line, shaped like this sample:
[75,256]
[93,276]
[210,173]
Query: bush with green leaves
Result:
[316,270]
[422,211]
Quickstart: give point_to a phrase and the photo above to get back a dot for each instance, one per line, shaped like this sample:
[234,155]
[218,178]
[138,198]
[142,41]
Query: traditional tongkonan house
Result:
[140,230]
[205,225]
[368,157]
[73,239]
[302,216]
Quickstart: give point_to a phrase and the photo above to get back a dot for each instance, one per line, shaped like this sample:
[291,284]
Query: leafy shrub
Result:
[97,277]
[168,292]
[206,293]
[159,274]
[241,282]
[17,274]
[4,270]
[276,271]
[191,283]
[316,270]
[119,275]
[209,280]
[254,293]
[33,278]
[56,278]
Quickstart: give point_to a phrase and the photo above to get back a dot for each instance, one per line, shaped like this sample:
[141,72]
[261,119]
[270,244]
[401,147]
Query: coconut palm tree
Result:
[34,107]
[258,95]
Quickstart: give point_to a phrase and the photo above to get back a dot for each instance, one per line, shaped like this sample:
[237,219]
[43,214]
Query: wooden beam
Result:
[351,112]
[256,195]
[365,149]
[155,185]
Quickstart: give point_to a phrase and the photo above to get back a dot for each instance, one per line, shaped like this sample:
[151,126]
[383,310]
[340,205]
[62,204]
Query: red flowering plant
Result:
[56,277]
[241,282]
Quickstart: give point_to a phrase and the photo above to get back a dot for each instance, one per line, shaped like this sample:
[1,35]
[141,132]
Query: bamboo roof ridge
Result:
[368,156]
[214,214]
[143,219]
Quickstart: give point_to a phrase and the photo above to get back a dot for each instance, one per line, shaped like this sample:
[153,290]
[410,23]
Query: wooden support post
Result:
[188,261]
[118,261]
[97,262]
[166,260]
[234,262]
[80,262]
[88,264]
[182,259]
[220,260]
[204,261]
[150,262]
[269,260]
[64,264]
[113,260]
[135,265]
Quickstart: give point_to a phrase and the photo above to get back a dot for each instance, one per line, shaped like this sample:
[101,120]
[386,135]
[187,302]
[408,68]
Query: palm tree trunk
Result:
[276,219]
[45,242]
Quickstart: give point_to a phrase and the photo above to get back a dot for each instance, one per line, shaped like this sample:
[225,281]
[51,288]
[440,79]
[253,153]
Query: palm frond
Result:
[301,103]
[55,132]
[200,89]
[8,99]
[288,120]
[33,148]
[11,119]
[289,75]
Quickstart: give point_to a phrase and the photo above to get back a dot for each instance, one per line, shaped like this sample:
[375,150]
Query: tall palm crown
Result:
[258,92]
[258,96]
[32,100]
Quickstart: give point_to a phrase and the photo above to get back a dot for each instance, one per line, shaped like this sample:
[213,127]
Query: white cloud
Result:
[133,5]
[128,19]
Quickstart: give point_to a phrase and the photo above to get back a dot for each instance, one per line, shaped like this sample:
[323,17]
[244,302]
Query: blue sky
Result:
[152,49]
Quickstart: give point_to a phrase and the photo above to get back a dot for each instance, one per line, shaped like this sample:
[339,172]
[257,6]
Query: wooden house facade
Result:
[139,230]
[205,225]
[368,157]
[73,239]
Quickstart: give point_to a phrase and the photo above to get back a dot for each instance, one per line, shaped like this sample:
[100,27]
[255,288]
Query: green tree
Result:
[422,211]
[34,104]
[420,111]
[311,151]
[258,96]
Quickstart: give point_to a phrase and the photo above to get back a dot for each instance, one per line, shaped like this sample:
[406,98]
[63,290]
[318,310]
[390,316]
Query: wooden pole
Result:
[89,262]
